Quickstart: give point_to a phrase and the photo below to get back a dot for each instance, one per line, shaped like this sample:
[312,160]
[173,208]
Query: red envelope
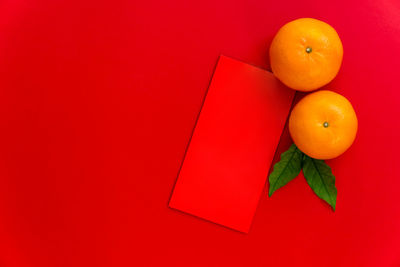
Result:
[230,153]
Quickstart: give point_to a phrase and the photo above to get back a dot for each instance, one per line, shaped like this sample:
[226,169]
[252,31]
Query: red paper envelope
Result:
[227,162]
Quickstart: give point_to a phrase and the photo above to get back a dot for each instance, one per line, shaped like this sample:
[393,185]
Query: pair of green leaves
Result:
[317,173]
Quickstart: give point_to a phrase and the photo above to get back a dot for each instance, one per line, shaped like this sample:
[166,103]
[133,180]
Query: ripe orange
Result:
[323,124]
[306,54]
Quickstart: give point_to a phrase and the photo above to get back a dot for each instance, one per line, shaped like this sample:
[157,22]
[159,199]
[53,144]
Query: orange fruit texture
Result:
[323,124]
[306,54]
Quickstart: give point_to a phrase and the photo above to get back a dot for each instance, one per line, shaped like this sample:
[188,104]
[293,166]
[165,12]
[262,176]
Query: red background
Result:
[98,100]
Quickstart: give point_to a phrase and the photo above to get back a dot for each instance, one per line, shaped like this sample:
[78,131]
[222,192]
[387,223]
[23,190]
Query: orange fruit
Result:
[323,124]
[306,54]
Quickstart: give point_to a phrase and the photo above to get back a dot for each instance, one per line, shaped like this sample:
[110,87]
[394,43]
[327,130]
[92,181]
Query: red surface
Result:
[98,100]
[230,152]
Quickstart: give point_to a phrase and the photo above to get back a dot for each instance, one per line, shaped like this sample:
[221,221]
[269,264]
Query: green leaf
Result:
[320,178]
[286,169]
